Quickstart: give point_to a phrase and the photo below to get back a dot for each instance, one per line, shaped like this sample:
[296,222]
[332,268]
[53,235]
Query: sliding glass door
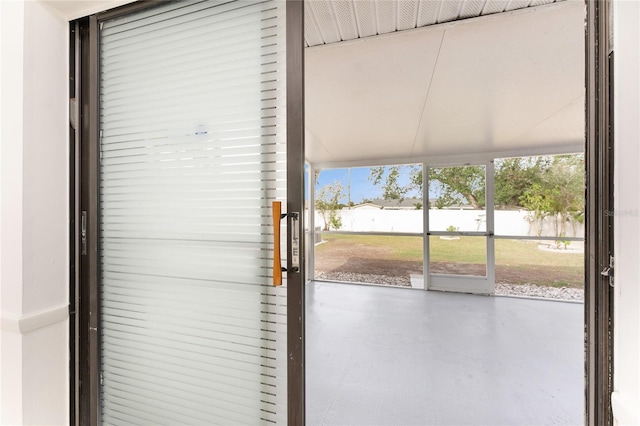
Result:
[195,145]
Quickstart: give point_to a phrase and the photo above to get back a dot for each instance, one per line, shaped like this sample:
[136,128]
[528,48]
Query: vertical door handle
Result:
[277,216]
[276,213]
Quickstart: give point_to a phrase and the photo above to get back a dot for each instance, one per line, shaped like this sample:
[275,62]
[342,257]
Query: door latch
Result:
[608,271]
[83,233]
[295,242]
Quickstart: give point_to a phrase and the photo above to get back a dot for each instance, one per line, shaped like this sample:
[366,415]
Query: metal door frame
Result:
[488,280]
[598,224]
[84,207]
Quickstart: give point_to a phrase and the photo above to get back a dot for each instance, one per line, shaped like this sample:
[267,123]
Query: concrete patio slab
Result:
[395,356]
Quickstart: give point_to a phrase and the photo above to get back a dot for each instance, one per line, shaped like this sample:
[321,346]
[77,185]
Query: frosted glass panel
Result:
[193,152]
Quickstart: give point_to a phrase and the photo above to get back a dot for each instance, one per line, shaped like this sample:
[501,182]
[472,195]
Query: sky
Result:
[360,186]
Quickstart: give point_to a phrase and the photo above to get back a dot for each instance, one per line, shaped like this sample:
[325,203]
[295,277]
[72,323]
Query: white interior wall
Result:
[626,398]
[11,41]
[34,215]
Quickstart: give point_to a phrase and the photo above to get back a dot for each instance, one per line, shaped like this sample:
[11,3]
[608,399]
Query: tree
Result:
[514,176]
[566,186]
[536,201]
[389,178]
[545,185]
[328,203]
[558,194]
[457,184]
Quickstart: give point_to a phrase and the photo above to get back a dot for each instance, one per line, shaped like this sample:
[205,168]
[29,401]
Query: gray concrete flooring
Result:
[394,356]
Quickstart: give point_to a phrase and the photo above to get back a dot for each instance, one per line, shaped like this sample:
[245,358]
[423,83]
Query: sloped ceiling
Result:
[510,82]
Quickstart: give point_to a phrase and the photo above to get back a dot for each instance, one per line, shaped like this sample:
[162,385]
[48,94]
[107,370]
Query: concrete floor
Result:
[390,356]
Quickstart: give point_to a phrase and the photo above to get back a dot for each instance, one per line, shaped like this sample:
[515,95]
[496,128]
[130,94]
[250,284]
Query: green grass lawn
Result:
[517,261]
[395,248]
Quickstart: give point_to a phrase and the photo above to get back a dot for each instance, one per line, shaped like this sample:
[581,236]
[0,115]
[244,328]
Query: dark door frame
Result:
[296,281]
[84,202]
[598,218]
[86,386]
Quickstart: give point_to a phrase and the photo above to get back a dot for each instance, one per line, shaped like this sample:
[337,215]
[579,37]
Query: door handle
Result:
[276,215]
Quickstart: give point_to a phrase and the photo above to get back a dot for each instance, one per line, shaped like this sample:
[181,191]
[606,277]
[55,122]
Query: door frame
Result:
[84,201]
[296,341]
[598,223]
[462,283]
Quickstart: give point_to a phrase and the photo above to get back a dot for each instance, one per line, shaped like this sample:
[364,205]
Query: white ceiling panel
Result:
[407,14]
[561,128]
[449,10]
[386,16]
[346,17]
[471,8]
[500,83]
[499,77]
[312,35]
[343,20]
[540,2]
[494,6]
[366,17]
[325,19]
[428,12]
[364,95]
[315,149]
[516,4]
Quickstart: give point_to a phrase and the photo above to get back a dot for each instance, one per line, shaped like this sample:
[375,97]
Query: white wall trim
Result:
[32,322]
[625,411]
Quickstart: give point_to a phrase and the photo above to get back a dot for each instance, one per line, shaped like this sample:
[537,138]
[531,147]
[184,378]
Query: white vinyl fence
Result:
[507,222]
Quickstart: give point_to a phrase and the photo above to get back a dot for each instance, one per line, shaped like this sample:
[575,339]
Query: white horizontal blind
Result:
[193,152]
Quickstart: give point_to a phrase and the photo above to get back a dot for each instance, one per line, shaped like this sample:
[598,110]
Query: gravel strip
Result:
[527,290]
[352,277]
[521,290]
